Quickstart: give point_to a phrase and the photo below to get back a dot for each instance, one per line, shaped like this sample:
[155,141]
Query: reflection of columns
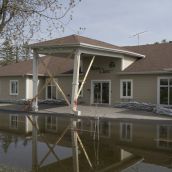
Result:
[75,146]
[35,81]
[74,109]
[34,144]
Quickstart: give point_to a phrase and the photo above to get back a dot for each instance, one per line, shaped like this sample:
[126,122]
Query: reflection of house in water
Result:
[16,142]
[129,140]
[17,123]
[149,139]
[123,143]
[110,144]
[145,133]
[164,136]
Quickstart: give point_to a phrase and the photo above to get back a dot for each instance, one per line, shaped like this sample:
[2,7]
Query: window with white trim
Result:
[126,89]
[14,121]
[165,91]
[125,131]
[51,91]
[14,87]
[164,139]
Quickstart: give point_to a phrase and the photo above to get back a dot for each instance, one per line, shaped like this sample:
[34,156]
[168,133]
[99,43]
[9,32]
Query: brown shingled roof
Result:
[56,66]
[75,39]
[158,58]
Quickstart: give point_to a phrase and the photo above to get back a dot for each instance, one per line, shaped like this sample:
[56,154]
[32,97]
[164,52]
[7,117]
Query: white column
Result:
[35,81]
[75,81]
[74,109]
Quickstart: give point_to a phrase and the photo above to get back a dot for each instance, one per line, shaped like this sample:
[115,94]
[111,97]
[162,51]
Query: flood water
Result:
[44,143]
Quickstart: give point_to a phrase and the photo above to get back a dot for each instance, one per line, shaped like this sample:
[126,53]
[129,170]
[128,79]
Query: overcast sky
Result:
[114,21]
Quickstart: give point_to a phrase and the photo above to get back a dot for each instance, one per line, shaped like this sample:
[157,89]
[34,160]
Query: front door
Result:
[100,92]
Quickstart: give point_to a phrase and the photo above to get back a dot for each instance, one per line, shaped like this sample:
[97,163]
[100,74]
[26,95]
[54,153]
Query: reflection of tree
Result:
[6,141]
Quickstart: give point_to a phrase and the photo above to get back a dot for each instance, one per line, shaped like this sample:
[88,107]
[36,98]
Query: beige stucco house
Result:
[16,79]
[118,74]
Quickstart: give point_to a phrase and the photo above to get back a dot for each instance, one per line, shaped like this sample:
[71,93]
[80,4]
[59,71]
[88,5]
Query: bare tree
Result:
[20,20]
[23,18]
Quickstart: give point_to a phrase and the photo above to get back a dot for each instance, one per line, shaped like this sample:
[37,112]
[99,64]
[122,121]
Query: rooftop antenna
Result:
[81,30]
[138,36]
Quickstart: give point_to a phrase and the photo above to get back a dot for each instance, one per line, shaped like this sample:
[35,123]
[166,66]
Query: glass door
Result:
[105,92]
[101,92]
[97,92]
[51,92]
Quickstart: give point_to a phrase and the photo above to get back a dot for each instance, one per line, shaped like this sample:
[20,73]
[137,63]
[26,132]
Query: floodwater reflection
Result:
[46,143]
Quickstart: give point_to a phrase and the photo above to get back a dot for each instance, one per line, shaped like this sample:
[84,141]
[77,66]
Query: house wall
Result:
[25,88]
[65,83]
[144,85]
[5,88]
[102,71]
[144,88]
[42,88]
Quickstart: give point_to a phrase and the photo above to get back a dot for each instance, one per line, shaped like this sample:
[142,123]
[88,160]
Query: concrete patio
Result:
[88,112]
[107,112]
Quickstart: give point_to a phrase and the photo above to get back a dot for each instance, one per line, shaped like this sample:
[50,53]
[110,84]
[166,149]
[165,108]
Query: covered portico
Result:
[75,47]
[71,47]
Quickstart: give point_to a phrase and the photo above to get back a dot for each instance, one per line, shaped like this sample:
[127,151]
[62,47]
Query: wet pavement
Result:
[89,111]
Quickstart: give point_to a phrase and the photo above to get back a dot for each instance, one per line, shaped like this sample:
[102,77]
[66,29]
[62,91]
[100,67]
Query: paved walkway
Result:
[91,111]
[108,112]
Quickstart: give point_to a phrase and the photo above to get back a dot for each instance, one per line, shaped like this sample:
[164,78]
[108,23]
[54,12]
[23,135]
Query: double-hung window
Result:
[126,89]
[51,91]
[14,87]
[165,91]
